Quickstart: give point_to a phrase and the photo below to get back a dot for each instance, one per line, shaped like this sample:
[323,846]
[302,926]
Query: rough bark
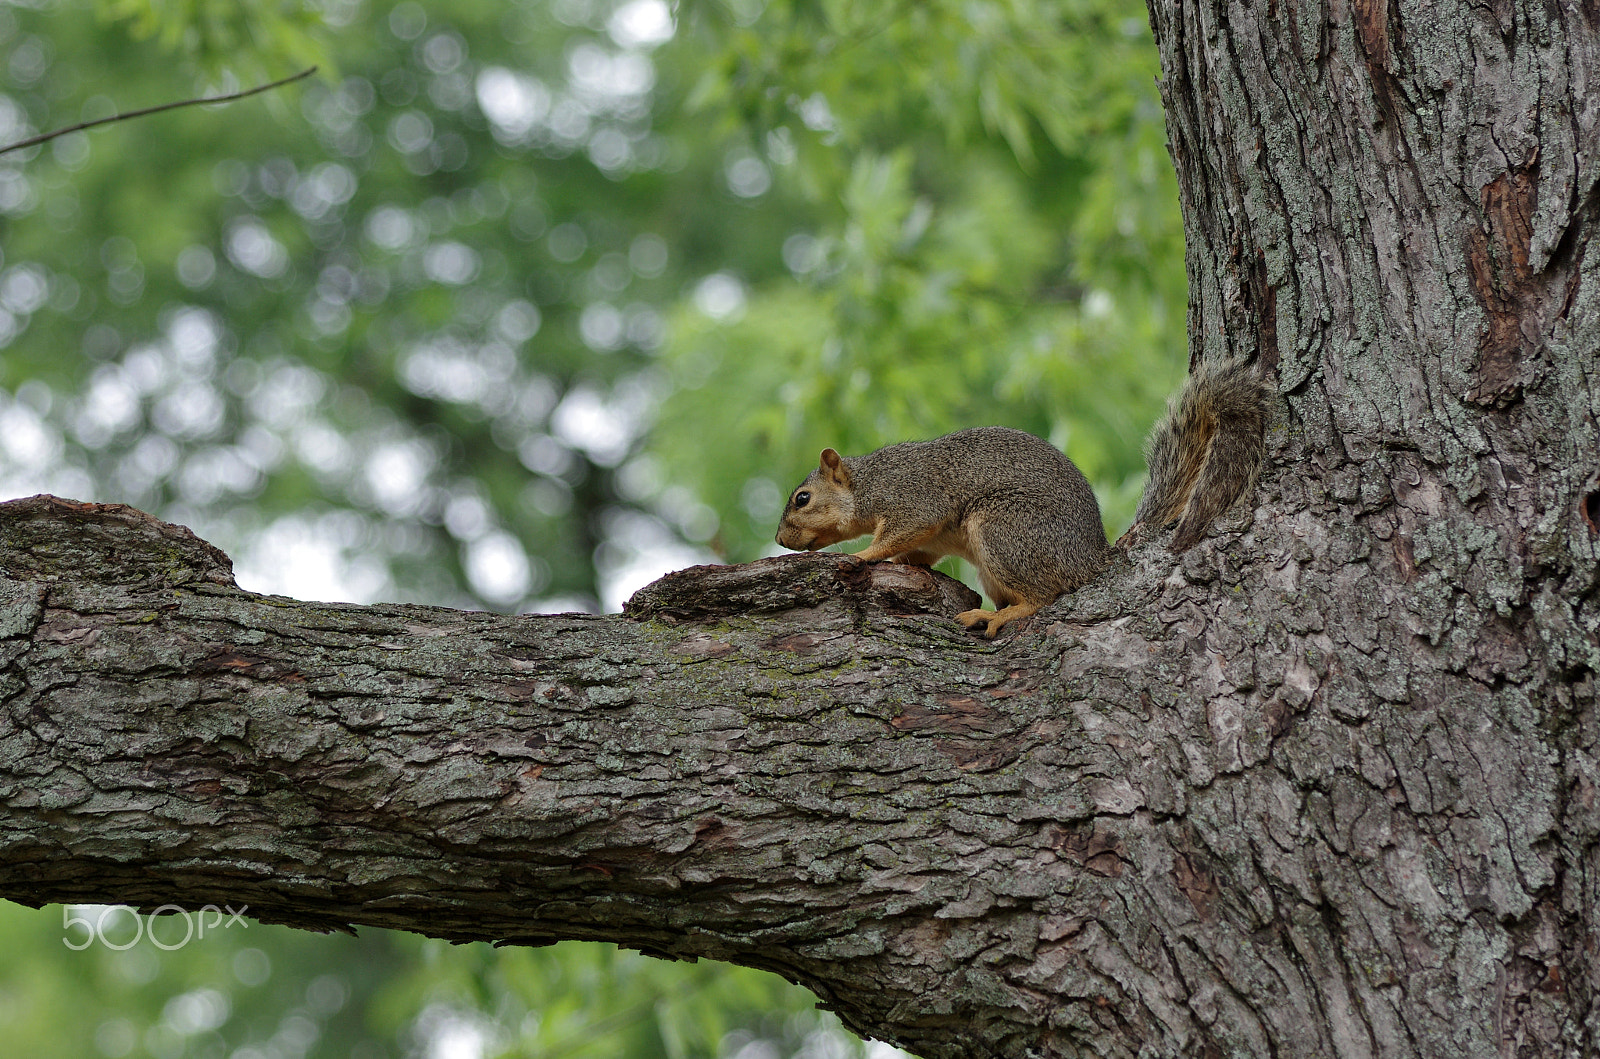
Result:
[791,764]
[1326,784]
[1393,206]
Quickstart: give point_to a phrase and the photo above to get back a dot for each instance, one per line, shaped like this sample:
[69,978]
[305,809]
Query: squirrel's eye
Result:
[802,498]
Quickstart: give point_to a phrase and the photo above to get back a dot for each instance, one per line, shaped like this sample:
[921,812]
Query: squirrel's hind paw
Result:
[995,619]
[969,618]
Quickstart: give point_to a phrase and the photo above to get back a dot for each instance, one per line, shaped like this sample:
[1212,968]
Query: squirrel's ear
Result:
[833,468]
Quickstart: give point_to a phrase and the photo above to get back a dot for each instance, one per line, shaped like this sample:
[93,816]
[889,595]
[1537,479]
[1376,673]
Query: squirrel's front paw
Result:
[918,558]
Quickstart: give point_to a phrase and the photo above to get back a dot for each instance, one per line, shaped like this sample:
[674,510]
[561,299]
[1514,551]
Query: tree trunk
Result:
[1326,784]
[1392,206]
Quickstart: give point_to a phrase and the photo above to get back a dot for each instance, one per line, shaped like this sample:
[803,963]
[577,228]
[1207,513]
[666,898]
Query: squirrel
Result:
[1019,510]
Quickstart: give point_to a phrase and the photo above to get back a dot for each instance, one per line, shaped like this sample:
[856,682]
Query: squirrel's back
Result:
[979,463]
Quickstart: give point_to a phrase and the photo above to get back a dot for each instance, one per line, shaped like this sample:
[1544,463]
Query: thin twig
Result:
[47,136]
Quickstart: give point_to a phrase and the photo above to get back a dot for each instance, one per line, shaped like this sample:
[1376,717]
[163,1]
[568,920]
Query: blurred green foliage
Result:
[996,241]
[225,39]
[250,991]
[515,306]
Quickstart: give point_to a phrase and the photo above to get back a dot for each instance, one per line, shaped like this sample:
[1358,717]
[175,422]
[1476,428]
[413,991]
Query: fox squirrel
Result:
[1018,509]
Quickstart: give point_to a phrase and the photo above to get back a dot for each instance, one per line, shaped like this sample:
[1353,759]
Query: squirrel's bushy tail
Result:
[1205,454]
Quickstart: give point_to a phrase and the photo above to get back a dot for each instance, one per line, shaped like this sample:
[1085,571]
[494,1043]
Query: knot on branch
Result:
[793,582]
[47,539]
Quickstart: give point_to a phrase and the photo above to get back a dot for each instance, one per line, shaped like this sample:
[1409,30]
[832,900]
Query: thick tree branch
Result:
[856,793]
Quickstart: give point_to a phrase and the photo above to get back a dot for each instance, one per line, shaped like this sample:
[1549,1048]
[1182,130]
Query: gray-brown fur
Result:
[1205,453]
[1031,510]
[1009,503]
[1018,509]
